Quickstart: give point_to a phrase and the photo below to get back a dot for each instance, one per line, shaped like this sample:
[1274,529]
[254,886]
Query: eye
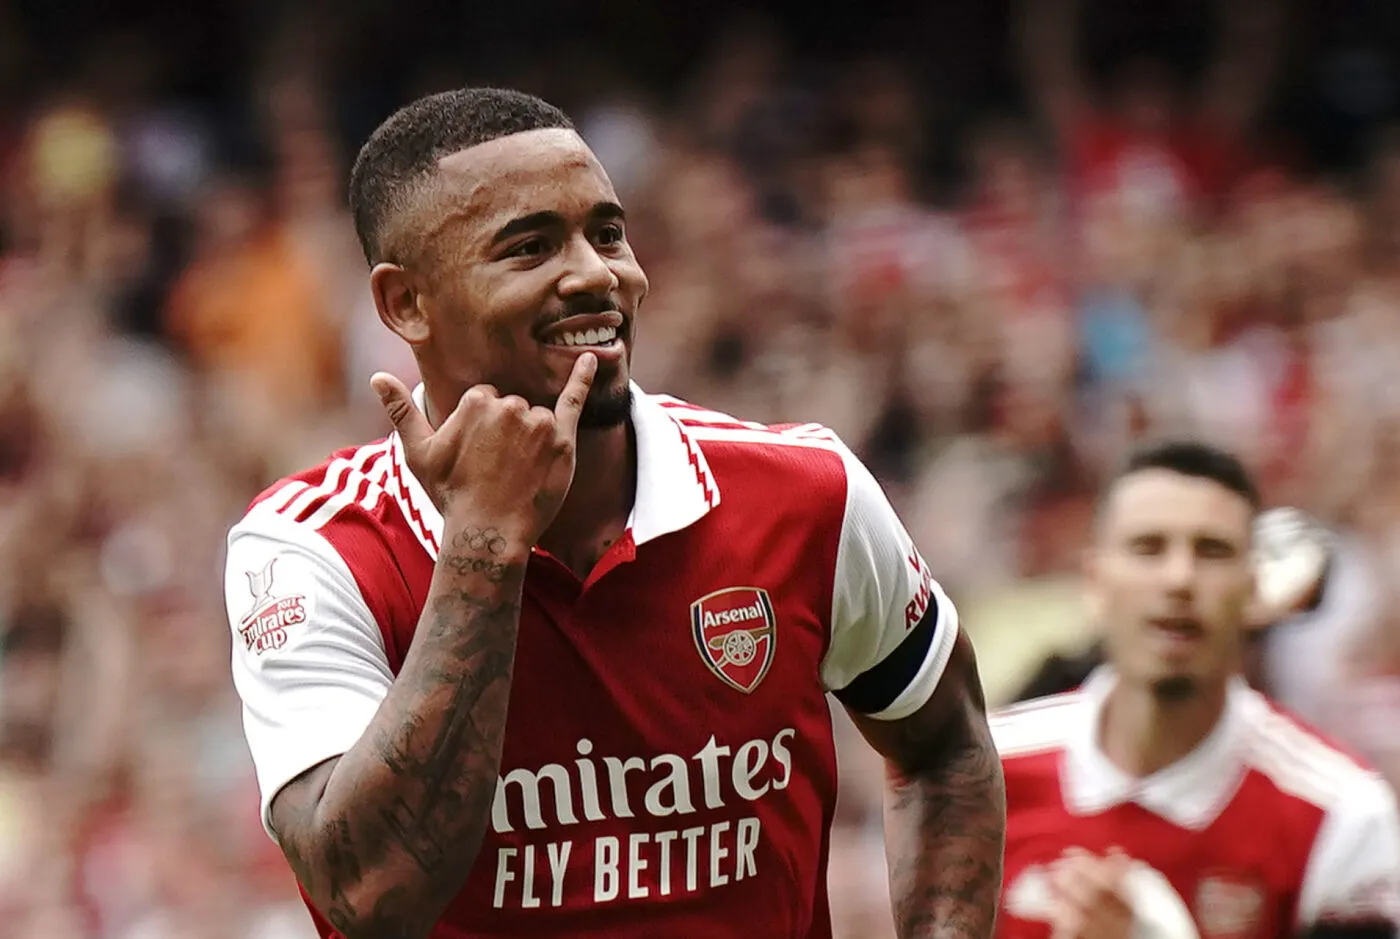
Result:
[1147,545]
[1216,549]
[530,248]
[611,234]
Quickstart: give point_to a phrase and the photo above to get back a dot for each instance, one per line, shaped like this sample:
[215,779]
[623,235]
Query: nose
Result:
[1179,571]
[586,271]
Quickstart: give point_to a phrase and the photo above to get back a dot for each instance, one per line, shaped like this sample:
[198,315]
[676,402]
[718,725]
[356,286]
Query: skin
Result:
[1171,553]
[1171,579]
[536,448]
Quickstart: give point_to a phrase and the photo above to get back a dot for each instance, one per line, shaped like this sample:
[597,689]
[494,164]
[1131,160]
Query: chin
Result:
[1175,688]
[607,406]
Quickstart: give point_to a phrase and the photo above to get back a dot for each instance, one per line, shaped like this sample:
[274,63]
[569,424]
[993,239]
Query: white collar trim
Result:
[675,487]
[1190,793]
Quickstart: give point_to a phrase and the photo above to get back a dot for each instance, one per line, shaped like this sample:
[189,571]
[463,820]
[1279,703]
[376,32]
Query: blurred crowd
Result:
[178,329]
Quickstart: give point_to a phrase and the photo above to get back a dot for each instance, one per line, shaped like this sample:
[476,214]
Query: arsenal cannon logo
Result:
[735,632]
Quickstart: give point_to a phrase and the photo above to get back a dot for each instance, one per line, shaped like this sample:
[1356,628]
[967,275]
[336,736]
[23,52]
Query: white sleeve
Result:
[1353,872]
[892,626]
[308,657]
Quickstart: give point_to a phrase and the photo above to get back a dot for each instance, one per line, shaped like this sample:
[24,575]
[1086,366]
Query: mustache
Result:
[582,306]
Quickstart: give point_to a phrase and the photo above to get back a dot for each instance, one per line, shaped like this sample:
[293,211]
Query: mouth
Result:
[1177,631]
[589,332]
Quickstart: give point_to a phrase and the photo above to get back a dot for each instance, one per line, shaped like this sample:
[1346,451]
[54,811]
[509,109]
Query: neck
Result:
[594,513]
[1142,733]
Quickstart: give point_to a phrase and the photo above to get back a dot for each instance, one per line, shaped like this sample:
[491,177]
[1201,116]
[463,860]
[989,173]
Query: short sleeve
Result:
[308,657]
[892,626]
[1353,872]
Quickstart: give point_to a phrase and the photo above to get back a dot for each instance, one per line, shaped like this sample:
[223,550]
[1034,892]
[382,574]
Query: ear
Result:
[399,303]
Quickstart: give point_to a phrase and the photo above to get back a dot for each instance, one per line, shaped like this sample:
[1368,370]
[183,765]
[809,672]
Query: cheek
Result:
[1230,596]
[631,279]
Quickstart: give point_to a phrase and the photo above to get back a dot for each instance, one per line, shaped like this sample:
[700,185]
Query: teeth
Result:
[589,337]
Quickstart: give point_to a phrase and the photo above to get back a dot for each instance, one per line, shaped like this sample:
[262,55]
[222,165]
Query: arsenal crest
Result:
[1229,906]
[735,631]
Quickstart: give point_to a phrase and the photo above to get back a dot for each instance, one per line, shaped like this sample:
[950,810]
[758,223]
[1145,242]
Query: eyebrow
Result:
[602,211]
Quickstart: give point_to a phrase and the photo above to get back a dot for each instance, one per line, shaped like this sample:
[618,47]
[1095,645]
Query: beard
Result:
[607,406]
[1175,688]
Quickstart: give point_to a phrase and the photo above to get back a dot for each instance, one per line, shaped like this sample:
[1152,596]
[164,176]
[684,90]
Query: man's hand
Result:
[1089,897]
[382,837]
[494,458]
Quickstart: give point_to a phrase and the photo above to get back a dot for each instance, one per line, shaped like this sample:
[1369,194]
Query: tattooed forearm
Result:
[493,571]
[945,813]
[946,827]
[384,837]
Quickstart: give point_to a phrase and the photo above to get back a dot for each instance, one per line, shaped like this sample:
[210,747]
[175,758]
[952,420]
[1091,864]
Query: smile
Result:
[604,336]
[590,330]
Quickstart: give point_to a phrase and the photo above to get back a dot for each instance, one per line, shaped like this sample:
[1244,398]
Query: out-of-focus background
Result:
[990,242]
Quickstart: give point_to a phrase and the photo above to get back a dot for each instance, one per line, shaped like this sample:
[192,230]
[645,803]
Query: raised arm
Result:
[383,836]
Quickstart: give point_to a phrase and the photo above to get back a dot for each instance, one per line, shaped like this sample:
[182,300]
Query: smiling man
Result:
[552,659]
[1165,798]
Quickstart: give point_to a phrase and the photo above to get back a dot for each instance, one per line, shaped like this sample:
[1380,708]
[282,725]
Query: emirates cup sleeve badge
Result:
[264,627]
[736,634]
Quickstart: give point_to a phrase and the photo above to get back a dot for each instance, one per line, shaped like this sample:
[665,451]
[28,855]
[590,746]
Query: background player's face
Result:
[526,253]
[1170,578]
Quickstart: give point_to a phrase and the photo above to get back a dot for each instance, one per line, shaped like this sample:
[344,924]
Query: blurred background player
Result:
[1166,793]
[1295,558]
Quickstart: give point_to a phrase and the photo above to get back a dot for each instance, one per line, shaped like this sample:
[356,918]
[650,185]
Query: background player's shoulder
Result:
[355,478]
[1037,726]
[1303,762]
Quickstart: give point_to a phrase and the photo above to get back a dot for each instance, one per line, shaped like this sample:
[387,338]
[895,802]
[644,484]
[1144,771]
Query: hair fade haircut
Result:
[1198,460]
[402,153]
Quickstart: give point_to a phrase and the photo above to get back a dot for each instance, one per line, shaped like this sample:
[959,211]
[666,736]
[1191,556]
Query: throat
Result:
[1143,733]
[594,514]
[581,560]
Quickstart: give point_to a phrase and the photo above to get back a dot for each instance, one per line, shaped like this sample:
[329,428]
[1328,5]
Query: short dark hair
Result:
[1197,459]
[404,150]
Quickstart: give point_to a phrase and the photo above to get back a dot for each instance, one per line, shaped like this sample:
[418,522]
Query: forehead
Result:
[1160,501]
[535,171]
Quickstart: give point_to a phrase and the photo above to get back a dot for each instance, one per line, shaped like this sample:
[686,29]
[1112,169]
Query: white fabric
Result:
[311,699]
[1190,793]
[672,491]
[1353,872]
[880,577]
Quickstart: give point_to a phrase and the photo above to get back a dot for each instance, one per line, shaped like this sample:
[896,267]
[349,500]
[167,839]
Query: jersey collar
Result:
[1190,793]
[675,487]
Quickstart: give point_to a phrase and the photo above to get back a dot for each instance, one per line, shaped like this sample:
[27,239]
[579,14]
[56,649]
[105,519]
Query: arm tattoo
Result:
[404,811]
[948,883]
[945,819]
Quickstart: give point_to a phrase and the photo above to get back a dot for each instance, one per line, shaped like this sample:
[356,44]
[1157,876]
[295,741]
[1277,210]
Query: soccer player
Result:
[1165,797]
[1293,559]
[551,660]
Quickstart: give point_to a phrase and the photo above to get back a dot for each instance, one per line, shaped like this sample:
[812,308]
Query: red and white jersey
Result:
[1264,830]
[669,766]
